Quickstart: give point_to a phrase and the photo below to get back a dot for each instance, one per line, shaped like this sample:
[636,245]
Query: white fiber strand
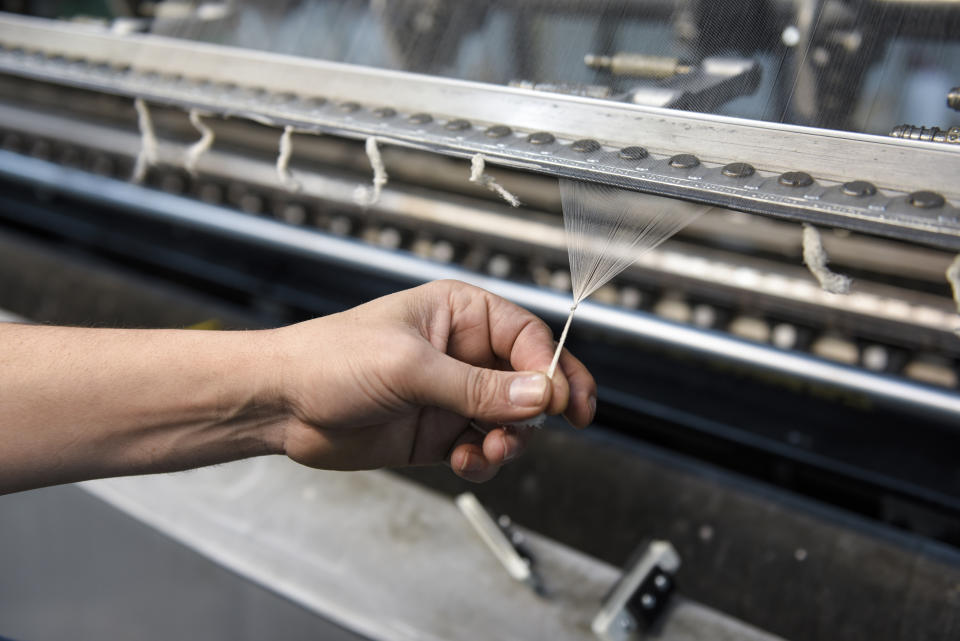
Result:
[563,339]
[816,260]
[283,160]
[953,277]
[197,149]
[478,165]
[608,228]
[147,156]
[368,196]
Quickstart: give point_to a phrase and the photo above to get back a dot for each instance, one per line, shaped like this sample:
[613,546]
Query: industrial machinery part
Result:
[638,65]
[268,88]
[518,566]
[953,98]
[927,134]
[640,595]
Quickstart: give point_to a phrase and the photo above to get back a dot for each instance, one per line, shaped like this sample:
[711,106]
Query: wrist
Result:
[261,404]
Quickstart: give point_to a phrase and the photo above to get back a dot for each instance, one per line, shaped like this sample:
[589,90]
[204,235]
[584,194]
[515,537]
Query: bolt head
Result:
[633,153]
[498,131]
[384,112]
[349,107]
[738,170]
[586,145]
[684,161]
[540,138]
[858,188]
[420,119]
[795,179]
[925,200]
[648,601]
[458,124]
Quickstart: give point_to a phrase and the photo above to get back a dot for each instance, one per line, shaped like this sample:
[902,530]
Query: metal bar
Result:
[357,256]
[277,90]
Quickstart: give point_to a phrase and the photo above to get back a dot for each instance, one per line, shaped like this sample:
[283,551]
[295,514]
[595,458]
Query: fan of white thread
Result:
[607,229]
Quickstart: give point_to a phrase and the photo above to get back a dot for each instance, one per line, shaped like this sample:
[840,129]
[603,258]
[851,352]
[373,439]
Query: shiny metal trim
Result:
[364,258]
[220,79]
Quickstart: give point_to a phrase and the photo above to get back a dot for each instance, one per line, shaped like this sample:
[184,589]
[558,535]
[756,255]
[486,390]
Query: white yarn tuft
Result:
[147,156]
[283,160]
[478,165]
[816,260]
[953,277]
[607,229]
[368,196]
[197,149]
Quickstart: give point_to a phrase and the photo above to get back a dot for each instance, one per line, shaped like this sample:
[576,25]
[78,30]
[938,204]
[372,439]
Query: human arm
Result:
[390,383]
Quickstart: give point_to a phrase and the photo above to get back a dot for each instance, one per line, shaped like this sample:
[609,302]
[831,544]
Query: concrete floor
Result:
[72,567]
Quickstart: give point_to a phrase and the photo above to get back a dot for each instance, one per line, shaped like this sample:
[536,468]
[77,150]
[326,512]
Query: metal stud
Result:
[795,179]
[458,124]
[634,153]
[684,161]
[420,119]
[859,188]
[738,170]
[498,131]
[384,112]
[586,145]
[540,138]
[349,107]
[925,200]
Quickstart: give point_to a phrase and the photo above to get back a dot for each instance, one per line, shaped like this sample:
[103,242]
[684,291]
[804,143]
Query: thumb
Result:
[481,393]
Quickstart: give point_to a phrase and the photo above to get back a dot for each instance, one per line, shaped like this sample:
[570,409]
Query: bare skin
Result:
[402,380]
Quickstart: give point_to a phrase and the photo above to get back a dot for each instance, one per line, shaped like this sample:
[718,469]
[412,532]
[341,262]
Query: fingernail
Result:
[471,463]
[528,390]
[592,403]
[509,448]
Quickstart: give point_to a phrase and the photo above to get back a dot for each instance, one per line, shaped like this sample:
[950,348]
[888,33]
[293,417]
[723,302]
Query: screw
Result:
[684,161]
[384,112]
[284,98]
[314,102]
[420,119]
[925,200]
[661,582]
[349,107]
[648,601]
[738,170]
[498,131]
[458,125]
[633,153]
[927,134]
[586,146]
[795,179]
[953,98]
[858,188]
[540,138]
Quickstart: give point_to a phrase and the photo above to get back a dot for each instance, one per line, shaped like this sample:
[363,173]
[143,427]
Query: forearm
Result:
[85,403]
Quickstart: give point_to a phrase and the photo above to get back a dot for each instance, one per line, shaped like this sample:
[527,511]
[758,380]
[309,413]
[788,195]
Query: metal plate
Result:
[282,91]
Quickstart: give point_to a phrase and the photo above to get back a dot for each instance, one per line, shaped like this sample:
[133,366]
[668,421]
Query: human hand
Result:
[399,380]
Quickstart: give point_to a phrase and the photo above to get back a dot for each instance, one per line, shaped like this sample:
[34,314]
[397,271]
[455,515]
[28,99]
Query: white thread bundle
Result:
[478,165]
[367,196]
[283,160]
[953,277]
[197,149]
[607,229]
[147,156]
[816,260]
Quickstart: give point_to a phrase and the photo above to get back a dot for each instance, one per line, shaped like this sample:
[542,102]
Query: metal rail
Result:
[859,182]
[496,223]
[135,200]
